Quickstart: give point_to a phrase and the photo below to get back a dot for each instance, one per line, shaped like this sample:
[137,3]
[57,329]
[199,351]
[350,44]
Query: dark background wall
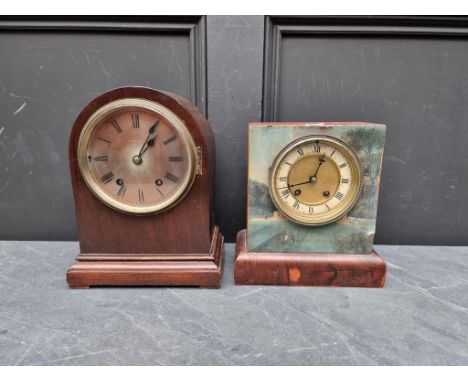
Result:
[410,73]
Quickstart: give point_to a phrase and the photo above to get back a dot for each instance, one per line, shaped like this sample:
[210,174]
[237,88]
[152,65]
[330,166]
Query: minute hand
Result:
[298,184]
[150,132]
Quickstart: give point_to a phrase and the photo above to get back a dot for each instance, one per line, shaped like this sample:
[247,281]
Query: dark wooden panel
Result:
[35,193]
[410,74]
[49,70]
[235,58]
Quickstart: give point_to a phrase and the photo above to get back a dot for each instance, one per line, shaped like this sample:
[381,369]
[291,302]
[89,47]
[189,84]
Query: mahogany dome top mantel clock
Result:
[141,163]
[312,204]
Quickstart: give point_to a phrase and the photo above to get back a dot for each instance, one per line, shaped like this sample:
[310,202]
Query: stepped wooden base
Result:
[202,273]
[307,269]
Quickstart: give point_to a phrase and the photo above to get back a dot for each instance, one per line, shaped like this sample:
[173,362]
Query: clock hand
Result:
[298,184]
[321,160]
[150,143]
[313,178]
[150,132]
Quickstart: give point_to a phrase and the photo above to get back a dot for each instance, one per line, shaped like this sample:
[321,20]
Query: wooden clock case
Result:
[303,269]
[179,247]
[266,261]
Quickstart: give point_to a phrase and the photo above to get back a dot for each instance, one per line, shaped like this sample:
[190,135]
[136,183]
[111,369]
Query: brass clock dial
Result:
[137,156]
[315,180]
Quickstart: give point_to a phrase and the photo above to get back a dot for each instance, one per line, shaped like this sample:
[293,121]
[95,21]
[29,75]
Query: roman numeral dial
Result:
[315,180]
[171,177]
[106,178]
[138,158]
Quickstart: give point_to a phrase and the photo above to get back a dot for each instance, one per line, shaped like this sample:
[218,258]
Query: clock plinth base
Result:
[202,273]
[307,269]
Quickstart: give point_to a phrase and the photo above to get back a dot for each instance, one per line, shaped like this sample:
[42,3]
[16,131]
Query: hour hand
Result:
[151,131]
[321,161]
[150,143]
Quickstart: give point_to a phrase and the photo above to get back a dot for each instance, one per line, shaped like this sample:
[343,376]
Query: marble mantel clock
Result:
[141,163]
[312,205]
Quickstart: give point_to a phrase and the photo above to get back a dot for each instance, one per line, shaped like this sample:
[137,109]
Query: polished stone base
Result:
[419,318]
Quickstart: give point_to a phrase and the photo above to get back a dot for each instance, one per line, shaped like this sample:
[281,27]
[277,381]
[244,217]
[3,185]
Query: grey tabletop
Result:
[419,318]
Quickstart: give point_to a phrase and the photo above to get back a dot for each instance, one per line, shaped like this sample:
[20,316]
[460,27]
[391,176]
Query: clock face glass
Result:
[136,156]
[315,180]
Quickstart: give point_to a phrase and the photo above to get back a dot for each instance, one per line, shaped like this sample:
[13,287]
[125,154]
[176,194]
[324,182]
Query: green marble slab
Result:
[268,231]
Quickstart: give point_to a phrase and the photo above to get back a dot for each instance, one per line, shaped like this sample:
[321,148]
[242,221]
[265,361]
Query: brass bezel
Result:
[189,146]
[334,214]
